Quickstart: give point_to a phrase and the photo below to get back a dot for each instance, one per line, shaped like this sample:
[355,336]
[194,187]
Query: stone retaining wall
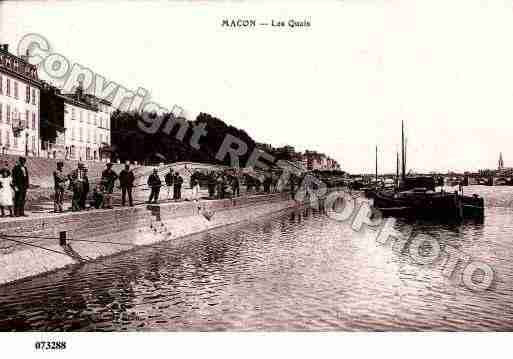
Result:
[129,227]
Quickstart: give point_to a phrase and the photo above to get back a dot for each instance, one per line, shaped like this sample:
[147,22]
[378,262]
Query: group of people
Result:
[13,188]
[221,184]
[269,183]
[78,182]
[173,180]
[227,183]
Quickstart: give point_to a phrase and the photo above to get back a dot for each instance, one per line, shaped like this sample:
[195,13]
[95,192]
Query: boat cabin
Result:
[426,182]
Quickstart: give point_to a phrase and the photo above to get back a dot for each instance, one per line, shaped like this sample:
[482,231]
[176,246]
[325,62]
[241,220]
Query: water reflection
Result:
[296,271]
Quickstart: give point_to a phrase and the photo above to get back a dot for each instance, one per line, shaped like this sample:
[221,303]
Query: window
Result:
[15,142]
[27,118]
[8,138]
[33,120]
[8,89]
[27,94]
[80,133]
[33,143]
[1,85]
[1,117]
[72,134]
[80,115]
[16,89]
[33,96]
[8,112]
[72,113]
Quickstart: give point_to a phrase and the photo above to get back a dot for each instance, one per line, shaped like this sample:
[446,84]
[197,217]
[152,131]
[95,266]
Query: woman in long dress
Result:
[6,193]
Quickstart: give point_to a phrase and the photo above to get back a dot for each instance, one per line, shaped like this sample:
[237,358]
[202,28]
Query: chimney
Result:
[79,91]
[25,57]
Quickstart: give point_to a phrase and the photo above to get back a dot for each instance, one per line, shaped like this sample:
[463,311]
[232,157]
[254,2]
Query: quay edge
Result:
[127,227]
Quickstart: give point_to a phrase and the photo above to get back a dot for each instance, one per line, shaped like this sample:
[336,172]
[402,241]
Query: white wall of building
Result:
[86,130]
[16,105]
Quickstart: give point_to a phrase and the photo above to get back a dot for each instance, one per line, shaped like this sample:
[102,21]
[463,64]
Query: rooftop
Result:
[18,66]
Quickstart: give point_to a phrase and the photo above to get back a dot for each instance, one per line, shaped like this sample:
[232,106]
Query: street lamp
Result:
[17,127]
[26,142]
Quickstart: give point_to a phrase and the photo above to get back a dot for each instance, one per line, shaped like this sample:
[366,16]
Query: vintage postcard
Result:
[254,166]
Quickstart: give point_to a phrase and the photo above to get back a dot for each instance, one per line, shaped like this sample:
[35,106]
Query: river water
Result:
[296,270]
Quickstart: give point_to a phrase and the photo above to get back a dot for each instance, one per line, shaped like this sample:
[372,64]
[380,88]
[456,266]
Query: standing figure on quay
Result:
[109,177]
[20,178]
[60,180]
[257,184]
[274,182]
[6,192]
[235,185]
[98,196]
[195,185]
[154,183]
[177,186]
[248,180]
[267,182]
[292,181]
[85,192]
[169,182]
[211,185]
[221,186]
[79,184]
[126,183]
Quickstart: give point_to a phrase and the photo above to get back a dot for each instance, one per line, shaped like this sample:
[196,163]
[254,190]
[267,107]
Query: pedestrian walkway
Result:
[45,209]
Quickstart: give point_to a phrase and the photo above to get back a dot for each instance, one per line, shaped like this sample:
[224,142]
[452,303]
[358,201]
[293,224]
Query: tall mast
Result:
[405,153]
[376,166]
[402,151]
[397,170]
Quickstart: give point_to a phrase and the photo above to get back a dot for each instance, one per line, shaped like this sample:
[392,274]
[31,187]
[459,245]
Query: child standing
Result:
[6,193]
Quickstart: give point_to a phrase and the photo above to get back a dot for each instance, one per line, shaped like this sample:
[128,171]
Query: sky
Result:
[341,86]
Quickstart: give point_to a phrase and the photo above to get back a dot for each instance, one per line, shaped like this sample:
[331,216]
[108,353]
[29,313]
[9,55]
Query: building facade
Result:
[313,160]
[82,126]
[87,125]
[19,105]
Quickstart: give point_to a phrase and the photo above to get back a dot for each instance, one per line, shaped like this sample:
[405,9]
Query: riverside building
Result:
[19,105]
[77,125]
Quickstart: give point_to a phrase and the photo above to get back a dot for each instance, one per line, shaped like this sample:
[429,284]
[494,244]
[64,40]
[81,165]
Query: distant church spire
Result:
[501,161]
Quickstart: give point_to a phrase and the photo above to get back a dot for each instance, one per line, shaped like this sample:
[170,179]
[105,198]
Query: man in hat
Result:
[235,185]
[126,182]
[108,180]
[79,184]
[211,185]
[59,186]
[154,183]
[85,189]
[169,182]
[20,179]
[177,186]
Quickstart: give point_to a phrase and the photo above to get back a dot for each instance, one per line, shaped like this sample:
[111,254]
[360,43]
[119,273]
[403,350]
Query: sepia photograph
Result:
[302,170]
